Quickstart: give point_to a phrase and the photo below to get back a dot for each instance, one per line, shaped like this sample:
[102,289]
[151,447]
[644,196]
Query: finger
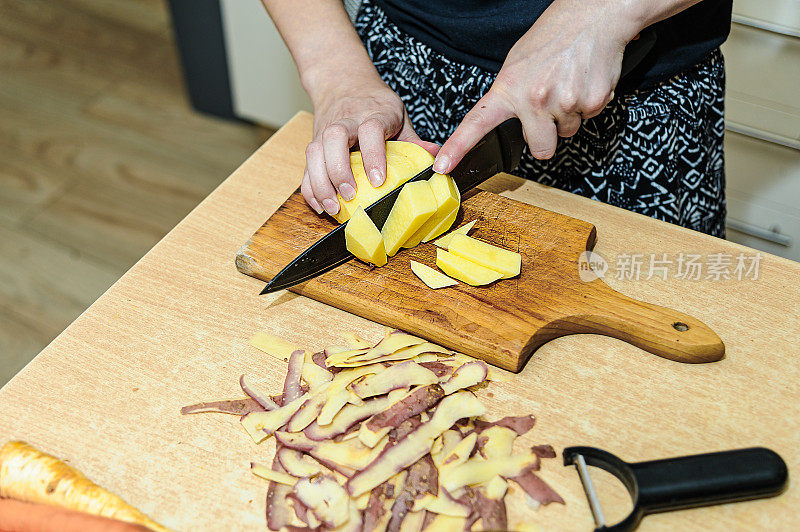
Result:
[409,135]
[489,112]
[541,135]
[372,143]
[568,124]
[321,186]
[308,194]
[336,142]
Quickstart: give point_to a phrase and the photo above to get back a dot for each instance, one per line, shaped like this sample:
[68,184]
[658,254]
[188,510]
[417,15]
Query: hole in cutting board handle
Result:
[680,326]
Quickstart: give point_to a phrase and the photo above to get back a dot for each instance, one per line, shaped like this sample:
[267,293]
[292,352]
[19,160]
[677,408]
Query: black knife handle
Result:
[711,478]
[512,142]
[636,51]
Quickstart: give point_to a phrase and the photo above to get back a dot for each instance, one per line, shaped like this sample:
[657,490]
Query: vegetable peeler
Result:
[681,482]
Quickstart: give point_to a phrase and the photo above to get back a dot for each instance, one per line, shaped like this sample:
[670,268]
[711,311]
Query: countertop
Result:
[105,394]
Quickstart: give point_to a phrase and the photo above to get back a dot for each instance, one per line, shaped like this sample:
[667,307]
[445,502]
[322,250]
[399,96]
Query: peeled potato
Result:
[404,160]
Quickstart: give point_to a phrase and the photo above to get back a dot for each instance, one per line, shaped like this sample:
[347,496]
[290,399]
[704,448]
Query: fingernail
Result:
[315,205]
[442,164]
[331,206]
[347,191]
[375,177]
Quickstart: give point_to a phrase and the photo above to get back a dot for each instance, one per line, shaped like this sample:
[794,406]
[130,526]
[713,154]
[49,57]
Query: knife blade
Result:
[498,151]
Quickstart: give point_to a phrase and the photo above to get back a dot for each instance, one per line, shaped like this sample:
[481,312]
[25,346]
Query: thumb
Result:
[488,113]
[409,135]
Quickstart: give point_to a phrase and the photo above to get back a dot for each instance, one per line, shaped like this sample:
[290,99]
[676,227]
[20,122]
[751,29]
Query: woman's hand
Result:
[352,104]
[365,112]
[564,69]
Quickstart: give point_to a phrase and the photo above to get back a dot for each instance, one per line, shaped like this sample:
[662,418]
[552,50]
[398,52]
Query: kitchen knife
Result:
[499,151]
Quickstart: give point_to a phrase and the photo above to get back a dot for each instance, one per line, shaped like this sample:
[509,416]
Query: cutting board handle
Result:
[659,330]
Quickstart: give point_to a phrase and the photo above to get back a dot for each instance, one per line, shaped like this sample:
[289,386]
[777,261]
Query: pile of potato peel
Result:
[386,437]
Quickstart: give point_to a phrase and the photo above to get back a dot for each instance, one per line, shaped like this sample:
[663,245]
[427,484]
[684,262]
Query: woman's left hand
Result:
[564,69]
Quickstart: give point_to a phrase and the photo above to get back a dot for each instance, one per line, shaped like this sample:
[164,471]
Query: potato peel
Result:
[385,437]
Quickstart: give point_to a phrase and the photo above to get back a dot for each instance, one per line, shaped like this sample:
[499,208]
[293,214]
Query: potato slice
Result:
[465,270]
[432,278]
[363,239]
[415,204]
[444,241]
[496,258]
[272,345]
[448,200]
[267,473]
[404,160]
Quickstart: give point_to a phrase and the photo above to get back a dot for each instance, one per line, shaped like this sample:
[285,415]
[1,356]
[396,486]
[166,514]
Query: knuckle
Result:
[337,172]
[311,148]
[334,132]
[568,101]
[595,101]
[538,95]
[369,126]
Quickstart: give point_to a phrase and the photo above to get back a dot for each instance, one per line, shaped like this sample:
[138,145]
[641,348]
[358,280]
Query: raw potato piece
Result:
[414,205]
[448,200]
[444,241]
[502,260]
[432,278]
[404,160]
[363,239]
[465,270]
[272,345]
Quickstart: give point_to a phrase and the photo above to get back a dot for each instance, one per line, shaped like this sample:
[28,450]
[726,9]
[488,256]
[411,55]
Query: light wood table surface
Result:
[174,330]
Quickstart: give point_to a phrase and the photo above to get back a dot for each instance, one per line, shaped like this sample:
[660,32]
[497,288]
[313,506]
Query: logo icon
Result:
[591,266]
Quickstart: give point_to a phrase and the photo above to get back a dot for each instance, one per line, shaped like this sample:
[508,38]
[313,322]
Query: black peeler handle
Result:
[685,482]
[712,478]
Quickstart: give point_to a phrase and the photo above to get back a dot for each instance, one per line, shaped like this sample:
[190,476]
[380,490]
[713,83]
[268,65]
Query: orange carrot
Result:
[29,475]
[18,516]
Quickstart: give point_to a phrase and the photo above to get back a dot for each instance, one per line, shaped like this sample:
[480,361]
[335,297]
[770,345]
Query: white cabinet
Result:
[762,148]
[265,85]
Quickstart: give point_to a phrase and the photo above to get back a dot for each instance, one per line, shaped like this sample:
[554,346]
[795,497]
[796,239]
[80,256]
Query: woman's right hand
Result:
[363,112]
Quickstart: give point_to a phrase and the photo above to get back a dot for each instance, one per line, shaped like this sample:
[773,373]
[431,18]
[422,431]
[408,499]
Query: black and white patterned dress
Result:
[656,151]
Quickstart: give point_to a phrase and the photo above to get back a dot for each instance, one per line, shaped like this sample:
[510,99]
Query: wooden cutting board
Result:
[502,323]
